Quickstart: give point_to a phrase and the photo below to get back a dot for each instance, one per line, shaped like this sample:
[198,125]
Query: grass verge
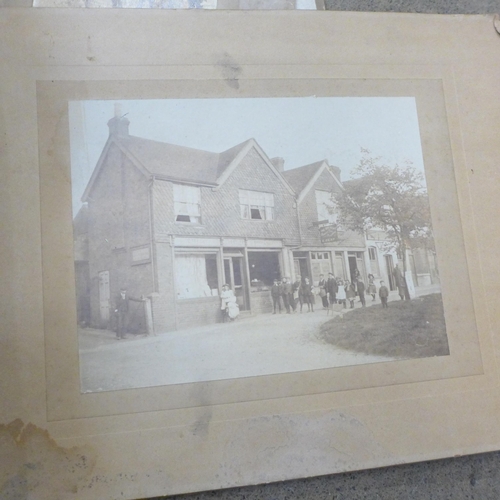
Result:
[406,329]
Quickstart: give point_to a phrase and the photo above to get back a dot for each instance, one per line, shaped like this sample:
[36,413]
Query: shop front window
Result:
[264,268]
[196,276]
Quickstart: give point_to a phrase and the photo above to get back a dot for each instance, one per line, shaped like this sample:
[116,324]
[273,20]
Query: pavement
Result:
[264,344]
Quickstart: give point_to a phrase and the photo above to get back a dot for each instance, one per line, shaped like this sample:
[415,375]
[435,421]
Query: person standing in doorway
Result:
[122,311]
[322,291]
[354,282]
[276,292]
[383,293]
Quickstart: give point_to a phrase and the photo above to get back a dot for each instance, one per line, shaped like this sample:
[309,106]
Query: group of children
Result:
[332,291]
[302,291]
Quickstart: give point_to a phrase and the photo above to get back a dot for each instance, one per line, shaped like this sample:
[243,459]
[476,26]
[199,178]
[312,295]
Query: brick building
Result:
[325,246]
[175,223]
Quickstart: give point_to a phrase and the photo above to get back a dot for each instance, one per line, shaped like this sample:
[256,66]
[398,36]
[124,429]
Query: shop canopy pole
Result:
[247,273]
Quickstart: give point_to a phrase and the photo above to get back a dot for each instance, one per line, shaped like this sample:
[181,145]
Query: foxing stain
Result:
[230,70]
[35,466]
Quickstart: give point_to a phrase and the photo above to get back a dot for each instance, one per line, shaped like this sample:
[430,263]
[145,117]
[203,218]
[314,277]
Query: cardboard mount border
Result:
[429,87]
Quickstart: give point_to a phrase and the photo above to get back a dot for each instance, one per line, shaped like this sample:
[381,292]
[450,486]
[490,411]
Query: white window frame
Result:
[187,204]
[199,287]
[256,202]
[323,203]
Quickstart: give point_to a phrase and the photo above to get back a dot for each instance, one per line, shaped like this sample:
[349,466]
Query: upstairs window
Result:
[256,205]
[187,203]
[325,206]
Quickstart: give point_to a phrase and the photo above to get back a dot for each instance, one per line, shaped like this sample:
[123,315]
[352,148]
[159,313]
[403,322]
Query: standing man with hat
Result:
[122,311]
[332,288]
[276,293]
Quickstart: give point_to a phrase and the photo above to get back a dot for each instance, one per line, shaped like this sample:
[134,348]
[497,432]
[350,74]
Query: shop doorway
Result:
[300,266]
[356,265]
[320,265]
[235,278]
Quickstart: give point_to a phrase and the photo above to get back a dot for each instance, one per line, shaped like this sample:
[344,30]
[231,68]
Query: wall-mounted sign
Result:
[140,255]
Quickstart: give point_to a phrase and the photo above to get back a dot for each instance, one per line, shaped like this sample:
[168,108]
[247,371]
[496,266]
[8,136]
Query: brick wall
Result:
[197,312]
[309,216]
[220,209]
[262,302]
[118,220]
[163,304]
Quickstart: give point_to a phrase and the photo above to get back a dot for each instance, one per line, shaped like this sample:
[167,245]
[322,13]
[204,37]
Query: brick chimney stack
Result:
[279,164]
[118,125]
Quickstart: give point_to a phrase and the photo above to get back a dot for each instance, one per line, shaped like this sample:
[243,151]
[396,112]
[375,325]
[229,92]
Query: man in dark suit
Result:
[276,293]
[332,288]
[122,311]
[361,292]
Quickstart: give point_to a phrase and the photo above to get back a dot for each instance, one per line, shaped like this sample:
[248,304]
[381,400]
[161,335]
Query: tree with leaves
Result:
[390,198]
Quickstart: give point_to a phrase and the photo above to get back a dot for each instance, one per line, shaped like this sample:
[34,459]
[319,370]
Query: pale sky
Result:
[301,130]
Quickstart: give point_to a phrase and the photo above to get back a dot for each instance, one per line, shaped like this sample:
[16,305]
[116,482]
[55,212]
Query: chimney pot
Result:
[279,163]
[118,125]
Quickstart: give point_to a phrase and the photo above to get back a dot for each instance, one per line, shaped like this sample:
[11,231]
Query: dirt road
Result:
[259,345]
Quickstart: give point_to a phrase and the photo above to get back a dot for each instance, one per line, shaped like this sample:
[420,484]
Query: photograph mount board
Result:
[318,421]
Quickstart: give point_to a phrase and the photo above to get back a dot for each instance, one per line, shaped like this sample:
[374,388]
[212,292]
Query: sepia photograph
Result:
[227,238]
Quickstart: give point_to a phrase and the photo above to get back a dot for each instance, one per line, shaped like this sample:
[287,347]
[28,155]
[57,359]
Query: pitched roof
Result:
[172,161]
[226,157]
[179,162]
[299,177]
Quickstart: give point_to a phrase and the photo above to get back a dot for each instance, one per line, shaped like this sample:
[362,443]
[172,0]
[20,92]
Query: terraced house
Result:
[174,224]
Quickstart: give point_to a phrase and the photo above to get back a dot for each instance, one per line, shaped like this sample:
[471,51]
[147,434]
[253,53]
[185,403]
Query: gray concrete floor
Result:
[475,477]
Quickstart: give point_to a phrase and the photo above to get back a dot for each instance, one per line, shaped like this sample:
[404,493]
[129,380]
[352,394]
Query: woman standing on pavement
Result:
[372,289]
[307,295]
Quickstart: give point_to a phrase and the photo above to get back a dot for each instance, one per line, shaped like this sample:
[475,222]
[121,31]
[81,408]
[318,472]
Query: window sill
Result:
[195,300]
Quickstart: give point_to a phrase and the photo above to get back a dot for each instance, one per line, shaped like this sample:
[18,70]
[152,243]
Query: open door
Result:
[235,278]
